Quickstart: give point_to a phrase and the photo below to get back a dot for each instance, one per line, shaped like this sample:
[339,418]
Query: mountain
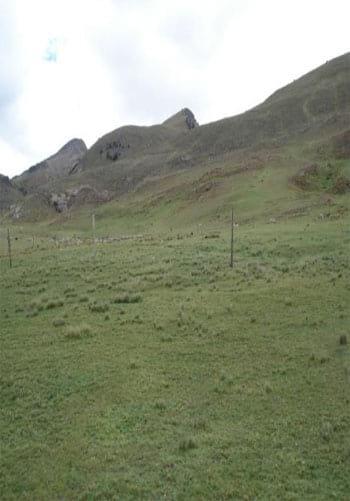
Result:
[312,112]
[44,174]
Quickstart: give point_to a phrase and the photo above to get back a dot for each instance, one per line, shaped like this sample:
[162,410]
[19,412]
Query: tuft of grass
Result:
[32,313]
[36,304]
[78,331]
[187,444]
[98,307]
[58,322]
[54,303]
[160,405]
[127,298]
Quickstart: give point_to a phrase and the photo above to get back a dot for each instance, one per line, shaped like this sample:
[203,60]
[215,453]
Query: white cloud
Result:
[8,157]
[79,68]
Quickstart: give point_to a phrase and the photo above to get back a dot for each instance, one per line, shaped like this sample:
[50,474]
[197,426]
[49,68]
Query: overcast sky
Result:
[80,68]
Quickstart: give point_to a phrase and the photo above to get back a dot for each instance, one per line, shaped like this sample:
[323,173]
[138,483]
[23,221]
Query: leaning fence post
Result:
[9,246]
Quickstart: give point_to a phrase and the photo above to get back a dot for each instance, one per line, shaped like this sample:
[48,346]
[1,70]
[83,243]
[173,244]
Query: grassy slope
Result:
[219,383]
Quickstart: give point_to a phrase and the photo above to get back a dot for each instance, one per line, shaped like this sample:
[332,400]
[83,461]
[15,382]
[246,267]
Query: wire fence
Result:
[23,244]
[26,244]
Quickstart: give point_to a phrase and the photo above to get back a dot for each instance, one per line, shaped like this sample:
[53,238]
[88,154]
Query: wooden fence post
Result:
[231,260]
[9,246]
[93,226]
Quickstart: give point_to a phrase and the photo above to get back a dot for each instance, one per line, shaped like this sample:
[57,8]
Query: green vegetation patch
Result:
[215,383]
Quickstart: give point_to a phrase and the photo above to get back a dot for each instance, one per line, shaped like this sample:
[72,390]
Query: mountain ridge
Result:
[314,107]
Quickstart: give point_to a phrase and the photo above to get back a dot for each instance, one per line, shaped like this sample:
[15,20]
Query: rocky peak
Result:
[190,119]
[74,146]
[184,119]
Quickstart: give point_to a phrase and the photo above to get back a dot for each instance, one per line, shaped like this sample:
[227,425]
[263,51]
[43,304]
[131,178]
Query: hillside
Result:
[312,114]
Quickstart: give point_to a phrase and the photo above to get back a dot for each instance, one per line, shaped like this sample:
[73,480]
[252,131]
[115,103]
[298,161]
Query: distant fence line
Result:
[25,244]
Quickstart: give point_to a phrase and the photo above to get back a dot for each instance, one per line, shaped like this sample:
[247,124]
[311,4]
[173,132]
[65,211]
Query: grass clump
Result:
[54,303]
[36,304]
[78,331]
[98,307]
[187,444]
[59,322]
[127,298]
[343,340]
[32,313]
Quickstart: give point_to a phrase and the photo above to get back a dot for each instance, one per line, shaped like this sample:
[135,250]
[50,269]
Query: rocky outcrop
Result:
[78,196]
[115,149]
[183,120]
[16,211]
[59,201]
[190,119]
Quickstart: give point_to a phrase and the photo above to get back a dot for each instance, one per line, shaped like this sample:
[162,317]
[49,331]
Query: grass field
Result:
[147,368]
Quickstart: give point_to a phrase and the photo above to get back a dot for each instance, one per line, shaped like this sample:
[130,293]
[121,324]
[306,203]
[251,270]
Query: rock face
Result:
[182,120]
[190,119]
